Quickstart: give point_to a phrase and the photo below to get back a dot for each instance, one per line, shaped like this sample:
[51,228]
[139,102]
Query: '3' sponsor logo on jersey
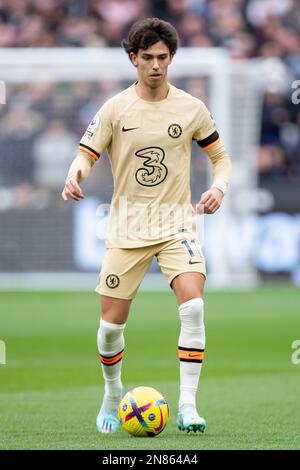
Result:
[153,171]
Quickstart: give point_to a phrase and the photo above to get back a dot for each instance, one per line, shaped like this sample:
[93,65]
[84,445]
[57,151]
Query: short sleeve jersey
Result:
[149,146]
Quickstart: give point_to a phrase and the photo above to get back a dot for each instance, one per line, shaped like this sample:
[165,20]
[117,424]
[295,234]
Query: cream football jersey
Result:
[149,147]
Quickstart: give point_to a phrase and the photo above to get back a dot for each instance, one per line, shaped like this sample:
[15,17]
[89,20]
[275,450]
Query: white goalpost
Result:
[234,100]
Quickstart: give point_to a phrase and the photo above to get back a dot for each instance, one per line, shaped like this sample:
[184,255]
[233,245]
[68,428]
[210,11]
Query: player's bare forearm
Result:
[210,201]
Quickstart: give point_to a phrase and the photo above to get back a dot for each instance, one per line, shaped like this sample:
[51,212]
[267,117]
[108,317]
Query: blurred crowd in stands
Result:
[40,118]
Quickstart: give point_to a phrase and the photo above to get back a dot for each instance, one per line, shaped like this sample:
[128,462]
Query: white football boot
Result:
[189,420]
[107,419]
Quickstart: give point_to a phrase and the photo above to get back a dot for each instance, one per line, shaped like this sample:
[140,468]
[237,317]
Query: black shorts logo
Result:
[112,281]
[174,131]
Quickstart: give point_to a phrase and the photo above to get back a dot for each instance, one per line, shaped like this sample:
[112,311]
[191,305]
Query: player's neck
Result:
[152,94]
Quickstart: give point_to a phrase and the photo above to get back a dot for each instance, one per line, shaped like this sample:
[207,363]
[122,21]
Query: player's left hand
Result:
[210,201]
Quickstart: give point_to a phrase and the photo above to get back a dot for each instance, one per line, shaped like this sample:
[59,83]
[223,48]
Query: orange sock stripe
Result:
[110,361]
[190,354]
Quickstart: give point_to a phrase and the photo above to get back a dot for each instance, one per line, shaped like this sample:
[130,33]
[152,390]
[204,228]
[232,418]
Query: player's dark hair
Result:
[145,33]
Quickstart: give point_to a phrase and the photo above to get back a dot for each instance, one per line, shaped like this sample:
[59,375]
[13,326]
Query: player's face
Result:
[152,64]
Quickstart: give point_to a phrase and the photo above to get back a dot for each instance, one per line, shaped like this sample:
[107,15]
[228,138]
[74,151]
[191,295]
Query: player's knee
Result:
[188,286]
[114,310]
[113,317]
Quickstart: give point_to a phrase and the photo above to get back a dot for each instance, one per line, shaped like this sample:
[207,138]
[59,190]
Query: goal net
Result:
[51,96]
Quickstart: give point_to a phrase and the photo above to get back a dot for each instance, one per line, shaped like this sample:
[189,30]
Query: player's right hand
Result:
[72,189]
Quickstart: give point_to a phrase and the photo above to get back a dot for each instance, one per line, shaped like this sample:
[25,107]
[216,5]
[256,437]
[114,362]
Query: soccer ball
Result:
[143,412]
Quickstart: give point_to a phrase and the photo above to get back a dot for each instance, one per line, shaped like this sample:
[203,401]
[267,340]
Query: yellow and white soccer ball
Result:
[143,412]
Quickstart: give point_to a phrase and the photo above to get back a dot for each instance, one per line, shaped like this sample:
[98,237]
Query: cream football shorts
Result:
[123,269]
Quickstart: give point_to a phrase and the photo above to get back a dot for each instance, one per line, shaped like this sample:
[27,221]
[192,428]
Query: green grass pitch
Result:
[51,385]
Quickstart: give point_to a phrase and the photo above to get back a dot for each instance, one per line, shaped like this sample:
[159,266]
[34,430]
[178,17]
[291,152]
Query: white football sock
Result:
[190,349]
[111,344]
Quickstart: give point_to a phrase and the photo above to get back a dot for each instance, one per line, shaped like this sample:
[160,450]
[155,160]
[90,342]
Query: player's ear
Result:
[171,58]
[133,58]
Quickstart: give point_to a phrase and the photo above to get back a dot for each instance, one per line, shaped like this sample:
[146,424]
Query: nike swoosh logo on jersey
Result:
[193,355]
[194,262]
[128,129]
